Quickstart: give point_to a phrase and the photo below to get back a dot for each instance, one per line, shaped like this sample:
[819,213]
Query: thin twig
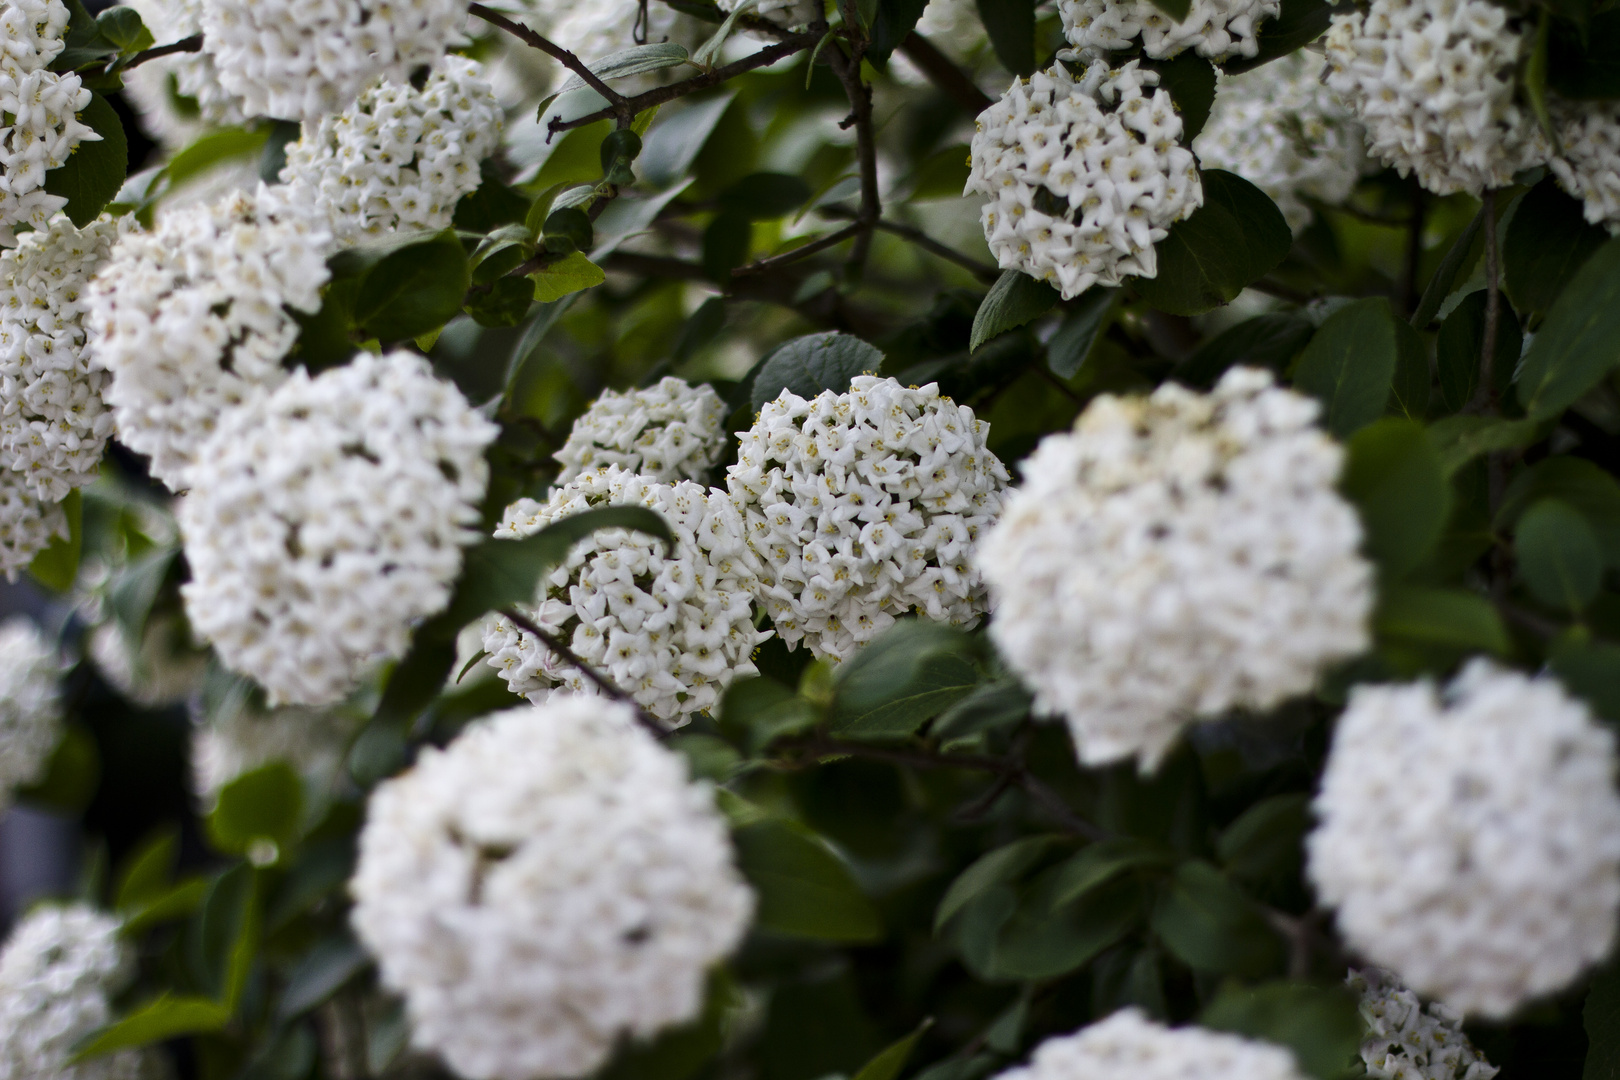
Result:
[802,252]
[568,656]
[619,105]
[659,95]
[1273,287]
[981,270]
[184,45]
[848,70]
[945,75]
[1493,302]
[1410,293]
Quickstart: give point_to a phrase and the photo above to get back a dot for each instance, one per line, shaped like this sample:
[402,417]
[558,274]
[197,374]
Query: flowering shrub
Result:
[810,539]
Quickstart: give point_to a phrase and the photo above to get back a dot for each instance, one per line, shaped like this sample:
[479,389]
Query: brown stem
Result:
[803,252]
[184,45]
[602,682]
[1493,302]
[619,105]
[981,270]
[848,70]
[945,75]
[659,95]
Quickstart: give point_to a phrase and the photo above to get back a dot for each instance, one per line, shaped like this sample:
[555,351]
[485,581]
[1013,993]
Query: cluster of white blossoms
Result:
[53,423]
[670,628]
[865,506]
[1216,29]
[1175,557]
[27,524]
[1129,1045]
[301,59]
[193,315]
[667,432]
[399,157]
[58,971]
[190,75]
[237,738]
[326,517]
[1280,129]
[41,108]
[1588,160]
[1405,1041]
[1083,176]
[1470,838]
[30,705]
[1432,82]
[544,887]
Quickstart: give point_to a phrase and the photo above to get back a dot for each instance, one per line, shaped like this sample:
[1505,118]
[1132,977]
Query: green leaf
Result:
[755,712]
[1461,439]
[71,775]
[166,1017]
[637,60]
[1320,1024]
[1011,27]
[1588,669]
[673,144]
[1264,844]
[225,934]
[1298,24]
[892,1058]
[1548,240]
[492,205]
[1349,365]
[122,27]
[1535,77]
[1015,299]
[1269,341]
[1601,1017]
[808,365]
[908,675]
[895,20]
[1558,555]
[1002,865]
[1581,484]
[1189,79]
[1583,62]
[57,567]
[1209,925]
[1098,864]
[1576,346]
[804,890]
[1236,238]
[992,705]
[1079,331]
[570,275]
[94,171]
[134,589]
[702,327]
[414,289]
[259,807]
[211,149]
[508,300]
[176,902]
[726,243]
[763,196]
[322,971]
[148,870]
[1410,389]
[1461,344]
[1395,477]
[1454,268]
[1452,618]
[1042,940]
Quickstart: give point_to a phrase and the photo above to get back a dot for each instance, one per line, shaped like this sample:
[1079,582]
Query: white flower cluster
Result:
[545,886]
[863,507]
[670,628]
[301,59]
[191,316]
[1432,81]
[1129,1046]
[238,738]
[1175,557]
[41,109]
[398,158]
[1280,129]
[1470,839]
[1083,176]
[27,524]
[53,424]
[1588,160]
[1404,1041]
[57,972]
[1217,29]
[190,75]
[326,517]
[667,432]
[30,705]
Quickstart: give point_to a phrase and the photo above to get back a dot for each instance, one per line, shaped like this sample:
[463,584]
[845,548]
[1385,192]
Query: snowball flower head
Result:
[1432,81]
[328,516]
[1470,838]
[1082,176]
[1217,29]
[27,524]
[1175,557]
[1129,1046]
[1405,1041]
[1588,160]
[666,432]
[398,158]
[154,85]
[1280,129]
[863,507]
[57,972]
[671,628]
[53,423]
[301,59]
[547,885]
[30,705]
[191,316]
[41,108]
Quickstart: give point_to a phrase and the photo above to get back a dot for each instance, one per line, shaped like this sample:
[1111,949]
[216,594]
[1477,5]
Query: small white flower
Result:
[1129,1046]
[1588,160]
[30,705]
[27,524]
[1470,838]
[1405,1041]
[548,885]
[666,432]
[1217,29]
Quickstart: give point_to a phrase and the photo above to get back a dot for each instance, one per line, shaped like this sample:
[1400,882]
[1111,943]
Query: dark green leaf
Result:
[1264,844]
[413,683]
[1583,63]
[1394,476]
[808,365]
[1579,344]
[1079,331]
[892,1058]
[1298,24]
[166,1017]
[909,674]
[726,242]
[803,889]
[1349,365]
[148,870]
[327,337]
[413,290]
[57,567]
[1268,341]
[756,711]
[1589,669]
[1454,268]
[763,196]
[1452,618]
[1547,242]
[1601,1017]
[1015,299]
[1581,484]
[211,149]
[71,774]
[176,902]
[321,972]
[1011,26]
[1041,940]
[1460,439]
[1558,555]
[265,805]
[1320,1024]
[568,229]
[702,327]
[506,303]
[1461,344]
[895,20]
[1409,392]
[1000,866]
[94,171]
[676,139]
[1210,925]
[122,27]
[1189,79]
[1535,77]
[1236,238]
[225,935]
[992,705]
[1100,863]
[490,205]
